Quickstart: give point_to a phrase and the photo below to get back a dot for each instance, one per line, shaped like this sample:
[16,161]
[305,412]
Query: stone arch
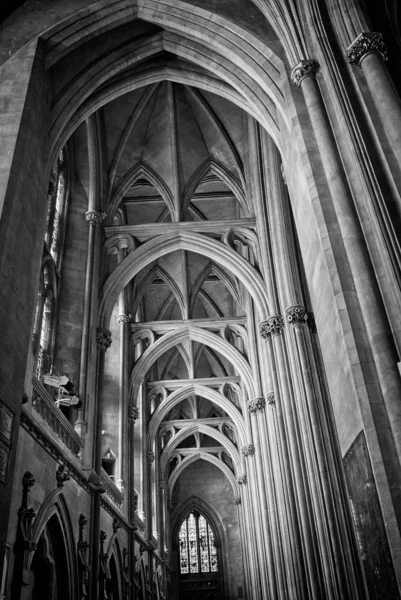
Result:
[224,278]
[198,335]
[193,242]
[200,390]
[224,175]
[157,270]
[189,460]
[206,430]
[145,171]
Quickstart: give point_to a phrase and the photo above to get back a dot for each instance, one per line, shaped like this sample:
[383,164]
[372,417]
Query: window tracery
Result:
[198,553]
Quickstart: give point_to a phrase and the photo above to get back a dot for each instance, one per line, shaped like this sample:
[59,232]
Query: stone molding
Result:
[133,414]
[256,405]
[367,42]
[271,399]
[242,479]
[248,450]
[305,68]
[274,325]
[123,319]
[103,339]
[296,315]
[94,217]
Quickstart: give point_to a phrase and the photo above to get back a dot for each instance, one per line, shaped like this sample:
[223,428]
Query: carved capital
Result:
[256,405]
[242,479]
[271,399]
[248,450]
[94,217]
[133,413]
[123,319]
[366,43]
[306,68]
[162,485]
[296,315]
[273,326]
[150,456]
[237,500]
[62,475]
[103,339]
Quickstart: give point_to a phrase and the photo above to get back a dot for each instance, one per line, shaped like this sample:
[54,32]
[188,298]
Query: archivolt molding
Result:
[195,334]
[140,170]
[192,242]
[203,391]
[157,270]
[189,460]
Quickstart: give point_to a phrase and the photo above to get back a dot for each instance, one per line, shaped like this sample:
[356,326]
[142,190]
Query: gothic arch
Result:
[189,460]
[224,278]
[157,270]
[145,171]
[198,335]
[224,175]
[199,390]
[193,242]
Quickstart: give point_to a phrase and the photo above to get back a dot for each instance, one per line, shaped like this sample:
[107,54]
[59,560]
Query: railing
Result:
[111,489]
[43,403]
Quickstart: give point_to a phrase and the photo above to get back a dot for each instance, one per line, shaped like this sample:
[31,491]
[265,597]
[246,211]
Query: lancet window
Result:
[198,553]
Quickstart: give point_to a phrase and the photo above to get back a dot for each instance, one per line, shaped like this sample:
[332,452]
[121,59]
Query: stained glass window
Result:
[196,542]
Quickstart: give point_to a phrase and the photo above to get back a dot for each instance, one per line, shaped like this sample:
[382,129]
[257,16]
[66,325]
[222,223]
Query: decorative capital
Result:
[296,315]
[82,521]
[133,414]
[62,475]
[273,326]
[150,456]
[94,217]
[237,500]
[256,405]
[123,319]
[366,43]
[271,399]
[306,68]
[162,485]
[103,339]
[248,450]
[242,479]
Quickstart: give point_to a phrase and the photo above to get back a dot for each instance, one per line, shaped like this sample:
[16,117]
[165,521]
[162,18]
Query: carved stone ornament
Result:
[256,405]
[296,315]
[242,479]
[306,68]
[271,399]
[248,450]
[123,319]
[116,525]
[150,456]
[273,326]
[62,475]
[162,485]
[103,339]
[366,43]
[237,500]
[133,413]
[93,217]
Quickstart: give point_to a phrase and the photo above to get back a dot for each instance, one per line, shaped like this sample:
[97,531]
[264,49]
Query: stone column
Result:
[369,52]
[252,547]
[103,339]
[273,328]
[123,321]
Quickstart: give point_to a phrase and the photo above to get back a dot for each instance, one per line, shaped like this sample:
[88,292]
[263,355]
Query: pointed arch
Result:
[179,350]
[138,171]
[206,456]
[158,271]
[198,335]
[203,350]
[204,392]
[193,242]
[224,278]
[224,175]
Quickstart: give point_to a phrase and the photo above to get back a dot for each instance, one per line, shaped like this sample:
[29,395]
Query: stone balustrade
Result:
[111,489]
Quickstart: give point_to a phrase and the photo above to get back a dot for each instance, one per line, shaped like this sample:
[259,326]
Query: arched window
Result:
[198,553]
[45,311]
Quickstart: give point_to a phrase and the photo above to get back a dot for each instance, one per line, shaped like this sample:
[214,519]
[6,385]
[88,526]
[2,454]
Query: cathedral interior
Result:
[200,291]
